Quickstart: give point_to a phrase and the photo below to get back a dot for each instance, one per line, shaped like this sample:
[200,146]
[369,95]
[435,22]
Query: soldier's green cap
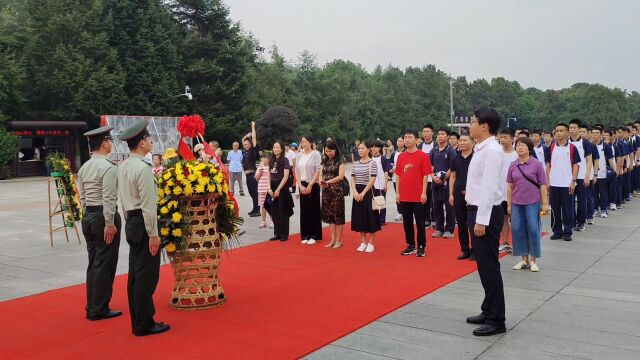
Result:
[104,131]
[135,132]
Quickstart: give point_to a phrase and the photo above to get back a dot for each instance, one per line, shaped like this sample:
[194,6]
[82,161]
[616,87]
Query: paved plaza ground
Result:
[583,304]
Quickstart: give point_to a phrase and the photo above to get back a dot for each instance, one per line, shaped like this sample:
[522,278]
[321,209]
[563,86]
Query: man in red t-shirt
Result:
[413,169]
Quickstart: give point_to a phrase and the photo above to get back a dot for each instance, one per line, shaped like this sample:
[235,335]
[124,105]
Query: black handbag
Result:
[346,188]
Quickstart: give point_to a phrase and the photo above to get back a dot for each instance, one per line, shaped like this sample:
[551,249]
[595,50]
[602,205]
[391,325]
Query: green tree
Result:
[145,37]
[71,71]
[216,58]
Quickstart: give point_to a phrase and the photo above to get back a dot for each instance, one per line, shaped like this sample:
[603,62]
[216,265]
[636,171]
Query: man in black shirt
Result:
[249,160]
[457,185]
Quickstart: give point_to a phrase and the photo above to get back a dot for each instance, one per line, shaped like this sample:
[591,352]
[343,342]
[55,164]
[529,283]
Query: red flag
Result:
[185,151]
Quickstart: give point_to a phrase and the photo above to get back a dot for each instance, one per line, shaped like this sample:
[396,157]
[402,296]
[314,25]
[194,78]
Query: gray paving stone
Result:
[408,343]
[580,349]
[503,352]
[604,294]
[334,352]
[581,334]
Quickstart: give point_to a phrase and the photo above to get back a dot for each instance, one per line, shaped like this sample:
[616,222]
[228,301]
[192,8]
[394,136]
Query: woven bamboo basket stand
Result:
[195,270]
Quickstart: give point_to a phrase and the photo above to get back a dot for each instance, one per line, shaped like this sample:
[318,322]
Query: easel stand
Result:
[61,207]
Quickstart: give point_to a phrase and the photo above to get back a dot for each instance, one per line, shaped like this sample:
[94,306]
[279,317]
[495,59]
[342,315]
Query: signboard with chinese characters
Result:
[43,133]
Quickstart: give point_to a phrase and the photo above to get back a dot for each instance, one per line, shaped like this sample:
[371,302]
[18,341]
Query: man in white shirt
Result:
[426,147]
[562,171]
[484,194]
[583,146]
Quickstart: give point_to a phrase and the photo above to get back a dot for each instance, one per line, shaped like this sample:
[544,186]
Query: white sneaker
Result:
[534,267]
[590,222]
[398,218]
[504,248]
[305,241]
[520,266]
[362,247]
[613,207]
[262,225]
[370,248]
[447,235]
[270,225]
[311,241]
[603,215]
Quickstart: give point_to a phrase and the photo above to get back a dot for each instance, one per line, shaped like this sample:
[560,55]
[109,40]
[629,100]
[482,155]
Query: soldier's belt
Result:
[93,209]
[136,212]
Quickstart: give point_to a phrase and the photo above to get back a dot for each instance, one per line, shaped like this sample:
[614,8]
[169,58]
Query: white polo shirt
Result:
[602,162]
[581,148]
[561,173]
[540,154]
[426,148]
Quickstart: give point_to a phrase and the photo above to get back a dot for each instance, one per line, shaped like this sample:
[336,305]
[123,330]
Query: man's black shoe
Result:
[408,251]
[472,257]
[274,238]
[488,330]
[241,193]
[477,320]
[109,315]
[556,237]
[420,252]
[254,214]
[463,256]
[156,329]
[567,238]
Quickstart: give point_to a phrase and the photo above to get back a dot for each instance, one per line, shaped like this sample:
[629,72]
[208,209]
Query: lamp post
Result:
[509,119]
[451,102]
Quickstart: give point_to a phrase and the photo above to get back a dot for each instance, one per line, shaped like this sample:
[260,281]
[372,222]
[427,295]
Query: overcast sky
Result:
[542,43]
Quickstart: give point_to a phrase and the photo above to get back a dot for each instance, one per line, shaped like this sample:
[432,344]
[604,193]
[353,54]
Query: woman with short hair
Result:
[526,191]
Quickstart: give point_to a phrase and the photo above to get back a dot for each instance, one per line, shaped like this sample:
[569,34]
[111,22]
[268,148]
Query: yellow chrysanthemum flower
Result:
[200,189]
[192,177]
[166,175]
[200,166]
[170,182]
[176,217]
[171,247]
[218,178]
[164,231]
[164,210]
[180,177]
[211,188]
[160,193]
[172,204]
[177,232]
[203,180]
[177,190]
[188,190]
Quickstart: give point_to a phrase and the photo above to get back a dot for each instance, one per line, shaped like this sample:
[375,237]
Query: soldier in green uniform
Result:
[138,195]
[98,186]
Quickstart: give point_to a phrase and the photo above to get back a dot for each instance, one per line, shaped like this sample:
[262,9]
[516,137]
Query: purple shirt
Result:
[524,192]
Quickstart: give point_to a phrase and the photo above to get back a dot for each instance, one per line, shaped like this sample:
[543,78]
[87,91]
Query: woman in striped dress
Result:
[363,218]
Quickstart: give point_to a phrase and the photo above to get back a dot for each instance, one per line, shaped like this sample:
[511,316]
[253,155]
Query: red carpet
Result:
[285,300]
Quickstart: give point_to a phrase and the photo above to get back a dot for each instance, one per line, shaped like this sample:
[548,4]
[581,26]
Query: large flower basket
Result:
[195,269]
[198,220]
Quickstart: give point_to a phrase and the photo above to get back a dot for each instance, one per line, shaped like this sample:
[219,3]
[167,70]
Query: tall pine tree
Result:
[145,38]
[217,57]
[71,71]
